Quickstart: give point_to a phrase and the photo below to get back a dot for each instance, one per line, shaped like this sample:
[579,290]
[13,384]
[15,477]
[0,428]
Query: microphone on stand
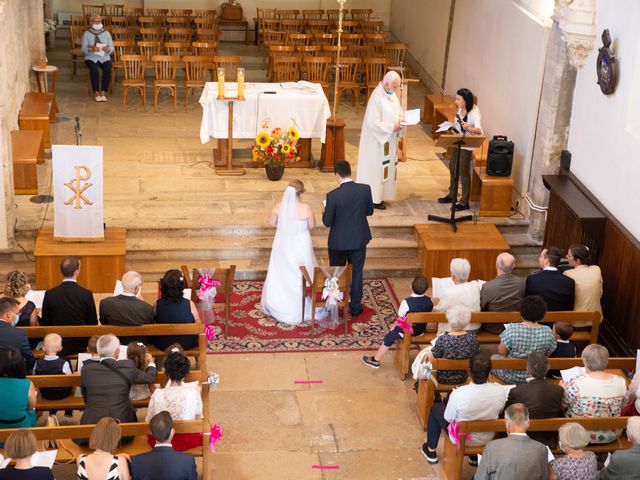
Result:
[78,131]
[459,120]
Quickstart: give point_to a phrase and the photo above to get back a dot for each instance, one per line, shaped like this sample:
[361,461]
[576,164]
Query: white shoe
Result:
[103,98]
[98,98]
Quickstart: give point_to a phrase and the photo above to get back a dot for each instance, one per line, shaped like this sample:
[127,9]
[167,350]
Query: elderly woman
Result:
[577,464]
[172,307]
[588,279]
[97,47]
[520,339]
[462,293]
[102,462]
[17,393]
[596,393]
[17,287]
[624,463]
[456,344]
[20,446]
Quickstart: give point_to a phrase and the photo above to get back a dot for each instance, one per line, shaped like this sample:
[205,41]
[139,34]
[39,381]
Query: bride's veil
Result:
[287,215]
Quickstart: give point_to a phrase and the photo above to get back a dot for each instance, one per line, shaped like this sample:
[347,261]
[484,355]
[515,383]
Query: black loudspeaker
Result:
[565,160]
[500,156]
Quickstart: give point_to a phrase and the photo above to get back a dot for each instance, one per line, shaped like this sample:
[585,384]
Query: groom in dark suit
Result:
[345,213]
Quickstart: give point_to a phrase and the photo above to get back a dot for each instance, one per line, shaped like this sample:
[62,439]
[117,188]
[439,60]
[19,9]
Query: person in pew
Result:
[517,456]
[462,293]
[503,293]
[105,383]
[163,462]
[479,400]
[542,399]
[11,336]
[558,290]
[17,287]
[564,348]
[51,364]
[172,307]
[20,446]
[69,304]
[97,47]
[597,393]
[577,464]
[17,393]
[588,280]
[137,353]
[417,302]
[520,339]
[182,400]
[624,463]
[102,464]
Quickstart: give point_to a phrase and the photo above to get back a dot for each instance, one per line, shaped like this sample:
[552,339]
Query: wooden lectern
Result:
[457,141]
[333,146]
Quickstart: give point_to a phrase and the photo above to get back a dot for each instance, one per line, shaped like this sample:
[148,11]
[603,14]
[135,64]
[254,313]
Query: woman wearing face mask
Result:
[17,393]
[97,47]
[469,118]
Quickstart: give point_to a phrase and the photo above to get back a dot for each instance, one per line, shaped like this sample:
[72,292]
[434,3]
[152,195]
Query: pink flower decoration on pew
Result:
[216,434]
[454,433]
[209,332]
[404,325]
[207,283]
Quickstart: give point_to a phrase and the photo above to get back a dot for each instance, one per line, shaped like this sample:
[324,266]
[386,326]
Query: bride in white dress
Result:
[292,247]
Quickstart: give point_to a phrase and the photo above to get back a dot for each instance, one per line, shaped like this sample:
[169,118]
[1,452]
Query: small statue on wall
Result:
[605,65]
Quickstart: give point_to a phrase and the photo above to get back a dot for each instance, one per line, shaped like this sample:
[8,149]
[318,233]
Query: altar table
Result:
[300,104]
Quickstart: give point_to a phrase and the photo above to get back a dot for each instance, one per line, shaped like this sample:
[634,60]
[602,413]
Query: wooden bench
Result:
[427,389]
[36,113]
[27,151]
[403,359]
[152,330]
[495,193]
[453,457]
[430,104]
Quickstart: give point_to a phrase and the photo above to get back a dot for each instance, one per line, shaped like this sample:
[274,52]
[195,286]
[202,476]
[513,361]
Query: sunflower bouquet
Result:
[276,148]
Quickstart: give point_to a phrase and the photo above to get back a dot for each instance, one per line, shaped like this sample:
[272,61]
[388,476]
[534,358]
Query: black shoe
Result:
[460,206]
[371,362]
[356,313]
[445,199]
[432,457]
[473,460]
[380,206]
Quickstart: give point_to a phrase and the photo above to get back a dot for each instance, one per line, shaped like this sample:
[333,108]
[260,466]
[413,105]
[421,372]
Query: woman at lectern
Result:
[468,117]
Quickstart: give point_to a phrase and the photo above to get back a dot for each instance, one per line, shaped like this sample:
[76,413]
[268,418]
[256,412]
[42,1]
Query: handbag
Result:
[64,444]
[422,367]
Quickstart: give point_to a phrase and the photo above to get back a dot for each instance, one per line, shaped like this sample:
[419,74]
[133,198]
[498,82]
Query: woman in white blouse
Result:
[469,118]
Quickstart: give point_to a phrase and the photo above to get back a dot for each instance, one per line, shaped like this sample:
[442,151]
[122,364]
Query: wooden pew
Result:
[427,389]
[403,358]
[36,113]
[453,457]
[26,152]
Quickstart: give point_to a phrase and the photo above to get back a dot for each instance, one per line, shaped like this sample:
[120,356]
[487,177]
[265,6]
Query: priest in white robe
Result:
[378,150]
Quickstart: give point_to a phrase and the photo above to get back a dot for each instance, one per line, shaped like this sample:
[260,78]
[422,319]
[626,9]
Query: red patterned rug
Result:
[251,331]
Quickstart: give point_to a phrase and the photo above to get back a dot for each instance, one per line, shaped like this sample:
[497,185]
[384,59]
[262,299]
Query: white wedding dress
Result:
[292,247]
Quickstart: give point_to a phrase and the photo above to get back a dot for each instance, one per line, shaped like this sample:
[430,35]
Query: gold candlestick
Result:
[220,83]
[240,82]
[337,77]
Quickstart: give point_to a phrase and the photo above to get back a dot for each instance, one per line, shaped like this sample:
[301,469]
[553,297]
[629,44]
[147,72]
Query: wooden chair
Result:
[370,26]
[349,39]
[349,78]
[316,281]
[78,20]
[278,51]
[226,277]
[181,12]
[230,65]
[376,40]
[118,21]
[325,38]
[112,9]
[165,69]
[207,34]
[178,22]
[196,70]
[319,26]
[292,25]
[361,14]
[267,25]
[157,12]
[204,14]
[123,34]
[180,34]
[120,48]
[178,49]
[395,53]
[315,14]
[374,69]
[348,26]
[205,22]
[91,10]
[77,57]
[133,67]
[286,68]
[149,49]
[151,22]
[316,70]
[133,11]
[297,39]
[154,34]
[308,51]
[206,49]
[263,14]
[287,14]
[333,13]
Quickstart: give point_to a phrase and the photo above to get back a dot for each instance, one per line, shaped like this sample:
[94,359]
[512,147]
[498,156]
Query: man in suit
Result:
[624,463]
[557,289]
[69,304]
[163,462]
[345,213]
[542,399]
[516,456]
[11,336]
[105,383]
[502,294]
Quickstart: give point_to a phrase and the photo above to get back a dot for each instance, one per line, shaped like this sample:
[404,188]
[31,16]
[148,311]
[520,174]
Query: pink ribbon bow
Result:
[216,434]
[209,332]
[454,433]
[404,325]
[207,283]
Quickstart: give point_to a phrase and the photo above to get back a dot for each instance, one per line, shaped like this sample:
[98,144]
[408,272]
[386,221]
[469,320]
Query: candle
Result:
[240,82]
[220,82]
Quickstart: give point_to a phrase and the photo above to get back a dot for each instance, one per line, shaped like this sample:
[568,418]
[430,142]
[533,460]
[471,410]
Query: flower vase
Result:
[274,173]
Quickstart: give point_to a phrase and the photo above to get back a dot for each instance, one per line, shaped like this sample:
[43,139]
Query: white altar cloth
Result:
[300,104]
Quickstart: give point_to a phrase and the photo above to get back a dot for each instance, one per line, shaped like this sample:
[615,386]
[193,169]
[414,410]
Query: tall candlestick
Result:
[337,76]
[220,82]
[240,82]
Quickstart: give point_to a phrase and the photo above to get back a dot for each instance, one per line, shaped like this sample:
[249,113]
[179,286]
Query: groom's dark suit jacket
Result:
[346,214]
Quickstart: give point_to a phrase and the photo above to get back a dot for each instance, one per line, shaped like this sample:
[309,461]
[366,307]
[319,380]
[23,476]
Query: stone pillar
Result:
[571,40]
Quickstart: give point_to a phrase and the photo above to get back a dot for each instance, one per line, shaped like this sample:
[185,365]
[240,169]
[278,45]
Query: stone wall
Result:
[22,40]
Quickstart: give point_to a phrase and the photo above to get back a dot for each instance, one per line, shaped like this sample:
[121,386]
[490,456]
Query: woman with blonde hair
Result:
[20,446]
[102,464]
[577,464]
[292,248]
[17,286]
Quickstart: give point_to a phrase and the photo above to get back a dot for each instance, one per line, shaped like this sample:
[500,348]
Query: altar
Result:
[300,104]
